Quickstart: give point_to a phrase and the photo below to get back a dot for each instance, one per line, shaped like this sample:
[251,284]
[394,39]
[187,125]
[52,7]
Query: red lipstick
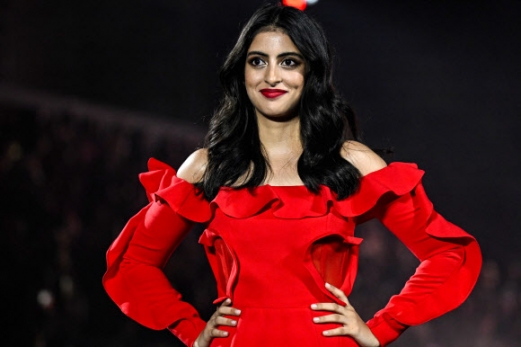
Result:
[272,93]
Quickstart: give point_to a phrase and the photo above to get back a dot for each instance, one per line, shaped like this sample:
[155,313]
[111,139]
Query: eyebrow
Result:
[281,55]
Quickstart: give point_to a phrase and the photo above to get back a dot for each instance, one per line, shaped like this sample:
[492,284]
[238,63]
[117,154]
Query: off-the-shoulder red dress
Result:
[272,248]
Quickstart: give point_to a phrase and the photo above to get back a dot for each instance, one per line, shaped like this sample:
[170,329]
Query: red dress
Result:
[271,249]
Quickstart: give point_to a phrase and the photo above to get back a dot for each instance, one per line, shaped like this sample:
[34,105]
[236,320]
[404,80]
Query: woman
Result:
[280,186]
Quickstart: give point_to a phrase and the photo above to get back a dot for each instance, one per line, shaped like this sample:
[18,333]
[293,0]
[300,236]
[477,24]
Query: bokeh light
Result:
[300,4]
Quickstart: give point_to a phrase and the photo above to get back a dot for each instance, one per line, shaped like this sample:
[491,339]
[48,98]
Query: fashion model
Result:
[280,185]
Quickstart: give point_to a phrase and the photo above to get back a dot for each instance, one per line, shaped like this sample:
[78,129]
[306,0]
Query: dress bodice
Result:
[273,246]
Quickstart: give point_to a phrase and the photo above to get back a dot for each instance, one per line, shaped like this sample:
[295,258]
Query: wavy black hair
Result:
[326,120]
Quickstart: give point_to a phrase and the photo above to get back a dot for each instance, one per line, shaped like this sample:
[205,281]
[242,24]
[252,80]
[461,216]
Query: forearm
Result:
[135,279]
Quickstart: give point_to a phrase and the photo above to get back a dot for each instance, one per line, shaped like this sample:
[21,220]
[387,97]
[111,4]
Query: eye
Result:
[256,61]
[290,62]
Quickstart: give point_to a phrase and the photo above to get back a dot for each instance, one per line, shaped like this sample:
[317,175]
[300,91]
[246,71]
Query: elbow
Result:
[472,263]
[464,246]
[467,259]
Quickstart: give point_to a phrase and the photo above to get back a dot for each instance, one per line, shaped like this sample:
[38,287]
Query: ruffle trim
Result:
[185,199]
[162,183]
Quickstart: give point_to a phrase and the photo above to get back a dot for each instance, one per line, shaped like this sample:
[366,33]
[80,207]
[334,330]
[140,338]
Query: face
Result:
[274,75]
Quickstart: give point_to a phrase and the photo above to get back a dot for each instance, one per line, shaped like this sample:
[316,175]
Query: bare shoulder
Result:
[192,169]
[362,157]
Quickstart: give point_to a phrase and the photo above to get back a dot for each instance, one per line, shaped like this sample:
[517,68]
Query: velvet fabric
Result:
[272,248]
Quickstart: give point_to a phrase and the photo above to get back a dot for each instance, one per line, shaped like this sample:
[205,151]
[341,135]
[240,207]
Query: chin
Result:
[279,116]
[273,113]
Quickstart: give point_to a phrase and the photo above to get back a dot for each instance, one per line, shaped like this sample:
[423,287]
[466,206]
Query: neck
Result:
[280,138]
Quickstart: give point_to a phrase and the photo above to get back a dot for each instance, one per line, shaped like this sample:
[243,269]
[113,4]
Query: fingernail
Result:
[238,311]
[314,306]
[316,319]
[234,322]
[328,285]
[225,333]
[326,333]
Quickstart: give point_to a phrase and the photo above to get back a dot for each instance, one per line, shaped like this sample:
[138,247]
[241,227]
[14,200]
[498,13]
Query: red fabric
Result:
[134,279]
[450,264]
[272,248]
[333,258]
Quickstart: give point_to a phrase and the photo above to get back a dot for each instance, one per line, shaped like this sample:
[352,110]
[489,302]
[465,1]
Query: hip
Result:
[286,327]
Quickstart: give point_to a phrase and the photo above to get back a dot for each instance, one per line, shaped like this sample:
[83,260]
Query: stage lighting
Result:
[300,4]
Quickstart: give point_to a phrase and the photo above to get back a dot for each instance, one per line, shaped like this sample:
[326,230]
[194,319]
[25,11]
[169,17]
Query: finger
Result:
[218,333]
[331,318]
[337,292]
[226,310]
[226,302]
[335,332]
[225,321]
[328,306]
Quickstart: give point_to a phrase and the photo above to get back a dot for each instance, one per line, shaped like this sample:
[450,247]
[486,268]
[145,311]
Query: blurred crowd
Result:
[69,184]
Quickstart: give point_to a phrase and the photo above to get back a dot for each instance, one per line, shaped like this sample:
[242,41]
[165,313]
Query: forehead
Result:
[272,42]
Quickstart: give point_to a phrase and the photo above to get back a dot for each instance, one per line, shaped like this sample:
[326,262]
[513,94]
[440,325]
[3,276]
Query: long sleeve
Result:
[450,262]
[134,278]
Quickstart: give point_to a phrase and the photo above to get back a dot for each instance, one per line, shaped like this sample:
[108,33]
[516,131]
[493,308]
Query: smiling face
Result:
[274,75]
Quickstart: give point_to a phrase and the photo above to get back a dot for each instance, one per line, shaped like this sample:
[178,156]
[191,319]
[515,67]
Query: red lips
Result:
[272,93]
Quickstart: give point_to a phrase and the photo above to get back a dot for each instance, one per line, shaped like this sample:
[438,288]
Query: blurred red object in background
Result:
[300,4]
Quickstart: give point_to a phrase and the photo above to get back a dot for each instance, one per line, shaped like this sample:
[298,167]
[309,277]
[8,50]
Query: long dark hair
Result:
[326,120]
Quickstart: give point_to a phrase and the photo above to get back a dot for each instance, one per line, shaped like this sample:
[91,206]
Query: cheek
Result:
[250,85]
[296,81]
[251,76]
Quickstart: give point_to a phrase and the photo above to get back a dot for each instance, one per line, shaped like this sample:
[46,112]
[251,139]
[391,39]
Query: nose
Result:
[272,76]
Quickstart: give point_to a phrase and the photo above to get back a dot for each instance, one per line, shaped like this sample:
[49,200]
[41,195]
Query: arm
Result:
[450,264]
[450,258]
[134,277]
[158,235]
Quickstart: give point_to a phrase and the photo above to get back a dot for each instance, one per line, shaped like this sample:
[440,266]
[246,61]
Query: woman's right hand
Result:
[211,330]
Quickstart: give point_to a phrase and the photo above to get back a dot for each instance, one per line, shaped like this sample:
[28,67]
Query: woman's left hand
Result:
[352,324]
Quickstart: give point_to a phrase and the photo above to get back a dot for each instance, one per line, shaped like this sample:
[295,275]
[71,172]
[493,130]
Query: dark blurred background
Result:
[89,90]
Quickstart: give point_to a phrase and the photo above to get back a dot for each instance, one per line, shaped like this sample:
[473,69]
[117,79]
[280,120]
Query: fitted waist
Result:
[268,293]
[288,277]
[261,326]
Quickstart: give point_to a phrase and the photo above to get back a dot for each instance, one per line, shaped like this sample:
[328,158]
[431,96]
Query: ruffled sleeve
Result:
[450,258]
[134,279]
